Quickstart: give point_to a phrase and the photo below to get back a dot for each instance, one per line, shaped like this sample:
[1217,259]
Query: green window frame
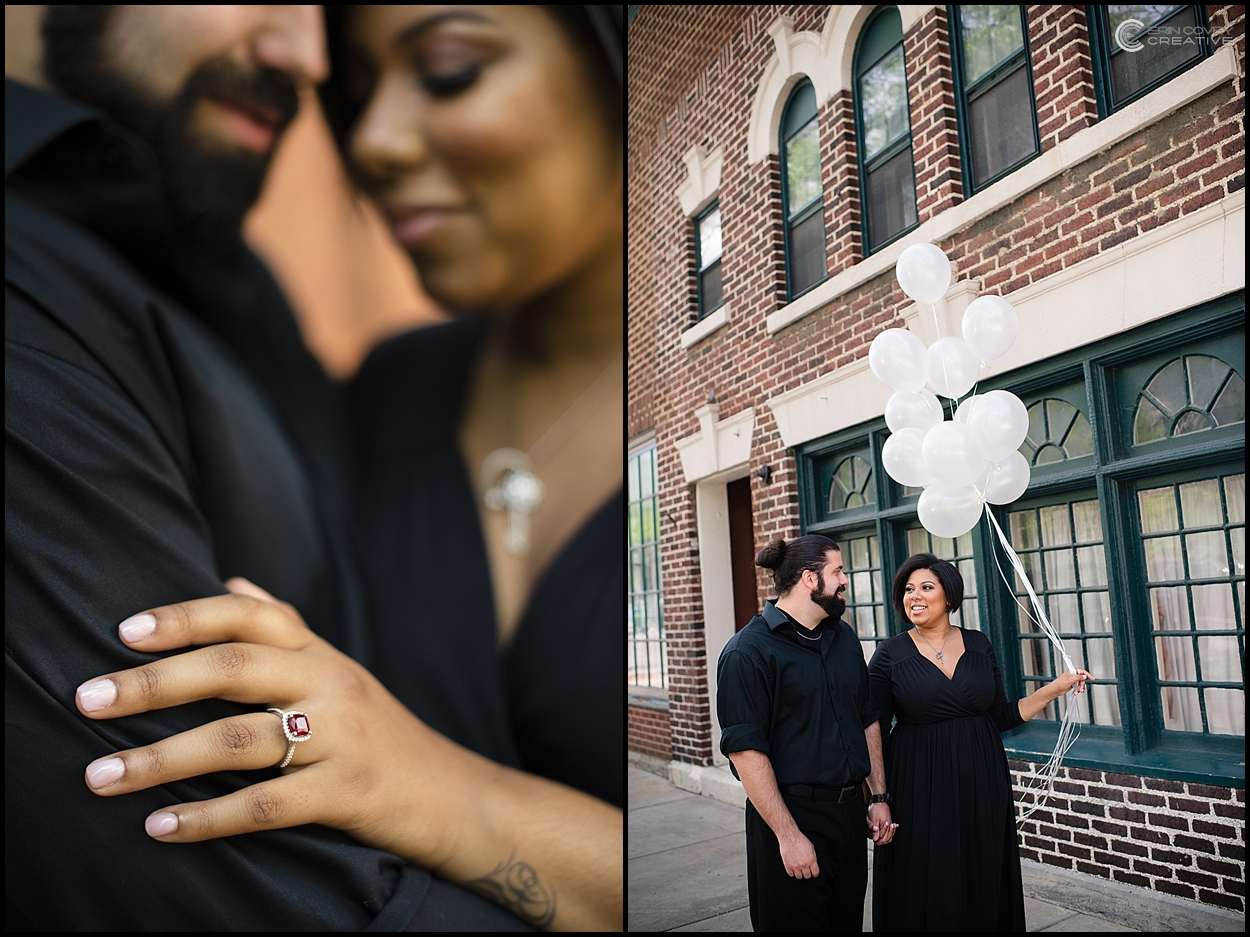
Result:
[647,658]
[708,251]
[985,90]
[1121,76]
[887,176]
[1096,578]
[802,192]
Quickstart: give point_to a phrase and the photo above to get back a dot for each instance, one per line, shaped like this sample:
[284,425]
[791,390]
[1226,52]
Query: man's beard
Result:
[834,605]
[209,184]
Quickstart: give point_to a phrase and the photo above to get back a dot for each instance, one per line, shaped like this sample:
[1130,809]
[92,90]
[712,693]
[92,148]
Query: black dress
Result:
[954,864]
[552,703]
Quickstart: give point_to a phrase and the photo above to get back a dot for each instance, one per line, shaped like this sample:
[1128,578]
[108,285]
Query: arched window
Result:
[851,485]
[1058,431]
[997,121]
[806,263]
[883,125]
[1189,395]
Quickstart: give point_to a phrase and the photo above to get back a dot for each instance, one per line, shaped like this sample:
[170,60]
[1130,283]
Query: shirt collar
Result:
[34,118]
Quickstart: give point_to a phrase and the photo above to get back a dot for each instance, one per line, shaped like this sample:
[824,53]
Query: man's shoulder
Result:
[751,639]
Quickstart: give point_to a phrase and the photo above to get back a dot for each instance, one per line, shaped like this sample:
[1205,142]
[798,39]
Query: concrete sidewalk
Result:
[687,872]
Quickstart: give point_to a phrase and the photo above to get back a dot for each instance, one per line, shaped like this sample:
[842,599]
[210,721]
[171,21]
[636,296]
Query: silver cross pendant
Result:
[519,492]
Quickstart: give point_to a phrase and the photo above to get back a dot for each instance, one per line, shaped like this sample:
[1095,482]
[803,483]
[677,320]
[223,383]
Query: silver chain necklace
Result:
[508,474]
[949,629]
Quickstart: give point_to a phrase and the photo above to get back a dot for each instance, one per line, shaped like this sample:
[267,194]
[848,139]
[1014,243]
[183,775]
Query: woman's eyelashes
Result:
[451,83]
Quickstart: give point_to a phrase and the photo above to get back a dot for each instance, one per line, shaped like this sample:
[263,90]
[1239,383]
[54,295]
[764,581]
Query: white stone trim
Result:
[912,13]
[824,58]
[1189,261]
[719,447]
[702,183]
[715,320]
[1079,147]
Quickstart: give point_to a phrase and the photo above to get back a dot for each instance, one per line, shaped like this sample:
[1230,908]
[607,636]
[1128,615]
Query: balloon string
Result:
[1041,786]
[937,327]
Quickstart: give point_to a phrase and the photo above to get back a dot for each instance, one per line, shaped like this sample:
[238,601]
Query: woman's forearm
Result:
[550,854]
[1036,701]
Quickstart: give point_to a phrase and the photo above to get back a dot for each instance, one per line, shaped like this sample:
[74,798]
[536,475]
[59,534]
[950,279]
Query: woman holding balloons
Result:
[954,864]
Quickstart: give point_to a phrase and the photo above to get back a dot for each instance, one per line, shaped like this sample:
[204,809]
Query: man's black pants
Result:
[833,900]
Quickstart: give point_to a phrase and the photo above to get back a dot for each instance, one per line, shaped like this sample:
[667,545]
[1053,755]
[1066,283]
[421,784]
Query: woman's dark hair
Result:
[789,560]
[596,32]
[946,573]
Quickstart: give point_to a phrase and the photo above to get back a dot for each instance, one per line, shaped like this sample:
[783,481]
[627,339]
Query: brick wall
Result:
[1176,837]
[649,732]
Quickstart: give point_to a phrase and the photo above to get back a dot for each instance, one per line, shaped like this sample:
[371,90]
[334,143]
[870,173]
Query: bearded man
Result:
[800,731]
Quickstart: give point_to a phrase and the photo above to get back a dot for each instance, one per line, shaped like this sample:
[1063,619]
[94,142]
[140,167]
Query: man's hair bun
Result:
[771,556]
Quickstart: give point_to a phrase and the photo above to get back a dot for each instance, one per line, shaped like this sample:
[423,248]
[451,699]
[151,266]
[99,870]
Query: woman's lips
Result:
[412,228]
[247,129]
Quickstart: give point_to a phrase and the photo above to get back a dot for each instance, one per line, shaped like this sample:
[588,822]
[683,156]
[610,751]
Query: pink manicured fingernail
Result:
[96,694]
[104,772]
[161,824]
[137,627]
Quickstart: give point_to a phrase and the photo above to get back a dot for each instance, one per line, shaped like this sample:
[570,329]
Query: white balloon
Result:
[949,510]
[983,477]
[953,368]
[964,411]
[897,359]
[912,409]
[902,459]
[990,326]
[1001,422]
[1007,479]
[952,453]
[923,272]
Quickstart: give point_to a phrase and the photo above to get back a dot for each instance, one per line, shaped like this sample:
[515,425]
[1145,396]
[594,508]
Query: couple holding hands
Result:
[811,732]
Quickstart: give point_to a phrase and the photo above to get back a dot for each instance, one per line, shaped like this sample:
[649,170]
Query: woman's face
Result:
[923,598]
[485,145]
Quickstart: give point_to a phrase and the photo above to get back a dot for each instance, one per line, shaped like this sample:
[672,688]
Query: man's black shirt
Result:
[803,703]
[165,429]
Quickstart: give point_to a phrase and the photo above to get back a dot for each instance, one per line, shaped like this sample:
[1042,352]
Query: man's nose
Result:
[291,39]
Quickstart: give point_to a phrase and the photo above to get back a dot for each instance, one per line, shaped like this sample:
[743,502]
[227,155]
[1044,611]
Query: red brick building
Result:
[1086,163]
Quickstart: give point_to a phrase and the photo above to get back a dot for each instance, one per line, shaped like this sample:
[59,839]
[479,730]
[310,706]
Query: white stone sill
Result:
[713,321]
[1079,147]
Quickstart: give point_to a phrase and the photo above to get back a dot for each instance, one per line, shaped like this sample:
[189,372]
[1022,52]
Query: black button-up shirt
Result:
[803,703]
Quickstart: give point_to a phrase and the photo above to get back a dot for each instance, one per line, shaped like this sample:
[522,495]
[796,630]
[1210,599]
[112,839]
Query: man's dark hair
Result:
[209,189]
[946,574]
[789,560]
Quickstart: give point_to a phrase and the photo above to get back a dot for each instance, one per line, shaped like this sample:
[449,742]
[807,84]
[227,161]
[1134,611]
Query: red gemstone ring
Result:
[296,729]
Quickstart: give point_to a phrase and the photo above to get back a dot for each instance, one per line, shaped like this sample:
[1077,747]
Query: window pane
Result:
[1169,609]
[1168,387]
[1088,521]
[1221,661]
[1226,711]
[712,295]
[1175,657]
[1180,709]
[808,264]
[1150,424]
[1060,570]
[1092,562]
[891,198]
[1235,497]
[1024,530]
[1000,126]
[709,237]
[1079,442]
[1101,657]
[803,168]
[1056,528]
[1200,504]
[1163,559]
[1131,71]
[1106,705]
[883,97]
[1206,376]
[1145,13]
[1208,556]
[1230,406]
[991,34]
[1158,510]
[1097,612]
[1063,614]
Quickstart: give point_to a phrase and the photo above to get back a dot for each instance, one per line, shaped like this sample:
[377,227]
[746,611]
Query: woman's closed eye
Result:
[450,83]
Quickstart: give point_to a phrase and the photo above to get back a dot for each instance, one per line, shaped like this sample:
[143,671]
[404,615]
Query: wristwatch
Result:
[881,798]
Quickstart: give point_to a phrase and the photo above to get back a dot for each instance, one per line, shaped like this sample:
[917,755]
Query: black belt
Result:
[841,794]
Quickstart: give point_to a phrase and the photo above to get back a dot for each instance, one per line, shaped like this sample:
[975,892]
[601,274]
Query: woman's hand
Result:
[1036,701]
[369,767]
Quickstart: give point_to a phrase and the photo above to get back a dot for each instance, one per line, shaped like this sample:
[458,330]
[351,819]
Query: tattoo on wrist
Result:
[515,886]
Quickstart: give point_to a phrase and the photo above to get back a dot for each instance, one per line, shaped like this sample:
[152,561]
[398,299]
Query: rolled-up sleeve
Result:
[744,697]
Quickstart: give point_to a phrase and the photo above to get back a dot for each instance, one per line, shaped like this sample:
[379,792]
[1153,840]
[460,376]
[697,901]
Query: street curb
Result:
[709,781]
